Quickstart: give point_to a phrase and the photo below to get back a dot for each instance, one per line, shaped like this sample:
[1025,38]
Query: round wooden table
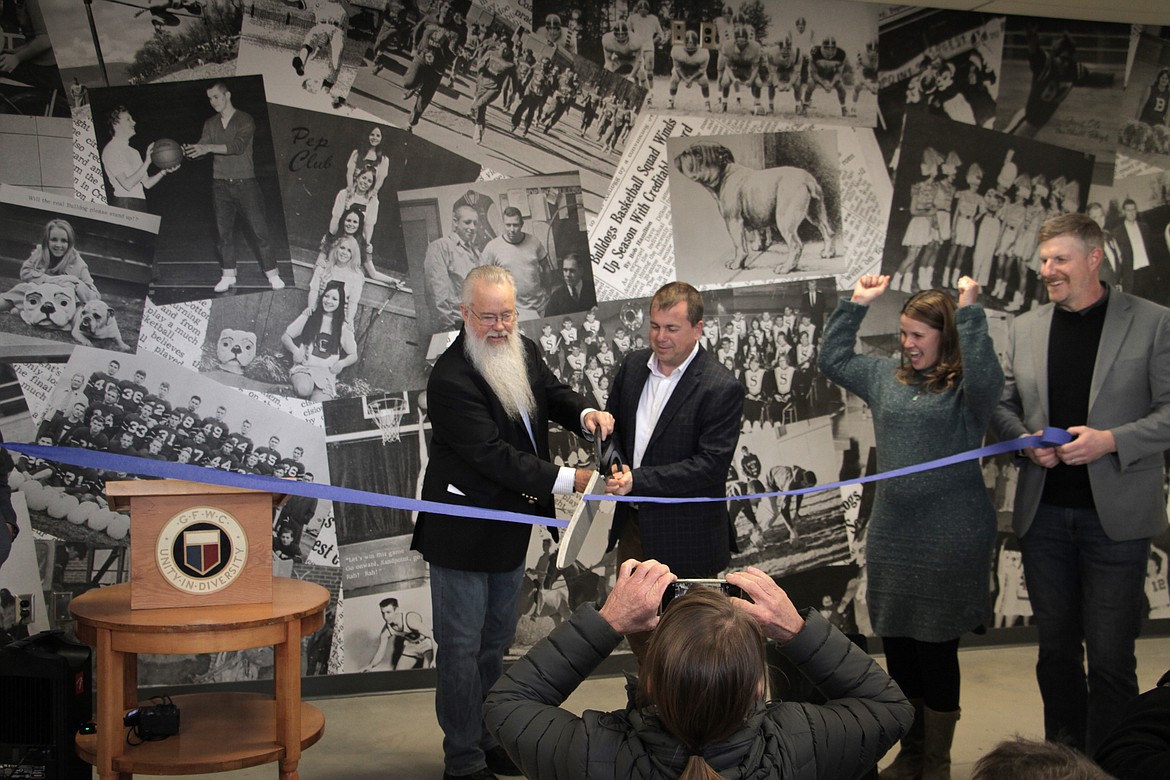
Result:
[218,731]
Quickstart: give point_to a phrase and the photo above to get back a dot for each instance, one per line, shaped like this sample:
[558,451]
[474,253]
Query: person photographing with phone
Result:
[686,722]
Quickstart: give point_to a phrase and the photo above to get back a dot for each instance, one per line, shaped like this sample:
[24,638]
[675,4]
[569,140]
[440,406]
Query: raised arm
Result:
[838,359]
[982,375]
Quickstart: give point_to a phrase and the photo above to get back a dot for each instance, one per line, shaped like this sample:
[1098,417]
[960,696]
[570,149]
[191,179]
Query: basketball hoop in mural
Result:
[387,413]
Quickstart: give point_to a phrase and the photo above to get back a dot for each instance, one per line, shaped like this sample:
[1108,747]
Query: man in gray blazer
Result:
[678,414]
[1095,361]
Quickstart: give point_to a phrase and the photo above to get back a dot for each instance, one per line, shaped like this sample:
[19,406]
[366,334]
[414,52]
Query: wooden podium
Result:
[201,582]
[196,545]
[220,731]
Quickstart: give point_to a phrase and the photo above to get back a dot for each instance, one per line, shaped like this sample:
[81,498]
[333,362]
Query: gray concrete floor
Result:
[395,735]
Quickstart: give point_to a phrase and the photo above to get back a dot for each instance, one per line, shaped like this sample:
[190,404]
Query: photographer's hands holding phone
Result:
[632,605]
[773,610]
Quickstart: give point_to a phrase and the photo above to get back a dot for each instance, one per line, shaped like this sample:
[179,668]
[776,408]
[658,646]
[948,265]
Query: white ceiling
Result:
[1134,11]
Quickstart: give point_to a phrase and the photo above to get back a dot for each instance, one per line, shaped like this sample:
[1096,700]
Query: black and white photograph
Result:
[833,592]
[802,59]
[785,534]
[43,571]
[1158,579]
[514,99]
[1145,134]
[38,154]
[945,63]
[767,336]
[534,226]
[308,347]
[339,177]
[31,84]
[305,51]
[1011,606]
[378,443]
[74,272]
[390,629]
[549,594]
[120,42]
[970,202]
[1135,216]
[144,406]
[212,180]
[755,207]
[1063,83]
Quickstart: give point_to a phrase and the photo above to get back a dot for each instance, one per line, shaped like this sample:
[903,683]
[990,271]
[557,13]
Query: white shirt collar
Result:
[652,363]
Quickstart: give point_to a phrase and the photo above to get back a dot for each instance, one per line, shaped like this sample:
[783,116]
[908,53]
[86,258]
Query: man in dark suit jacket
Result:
[1095,361]
[678,414]
[490,399]
[1112,271]
[576,294]
[1140,254]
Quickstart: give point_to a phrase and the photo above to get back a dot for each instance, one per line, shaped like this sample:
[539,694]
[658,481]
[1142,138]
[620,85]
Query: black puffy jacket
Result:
[866,714]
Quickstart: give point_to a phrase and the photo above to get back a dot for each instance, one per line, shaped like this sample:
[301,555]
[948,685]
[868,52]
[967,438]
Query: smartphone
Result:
[682,587]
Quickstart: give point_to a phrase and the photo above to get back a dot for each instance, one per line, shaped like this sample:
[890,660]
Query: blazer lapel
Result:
[1039,341]
[512,431]
[1118,318]
[686,386]
[540,414]
[631,396]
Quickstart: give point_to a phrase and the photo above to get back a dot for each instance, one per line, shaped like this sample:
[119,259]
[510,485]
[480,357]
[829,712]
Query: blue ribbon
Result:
[129,464]
[162,469]
[1049,437]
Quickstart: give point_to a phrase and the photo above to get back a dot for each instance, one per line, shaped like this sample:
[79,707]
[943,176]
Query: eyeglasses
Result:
[506,317]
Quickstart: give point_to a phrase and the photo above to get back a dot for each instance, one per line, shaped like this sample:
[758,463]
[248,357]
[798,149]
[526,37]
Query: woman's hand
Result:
[299,354]
[968,291]
[869,288]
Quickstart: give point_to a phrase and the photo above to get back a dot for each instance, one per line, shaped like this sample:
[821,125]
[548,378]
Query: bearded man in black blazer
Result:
[490,399]
[678,416]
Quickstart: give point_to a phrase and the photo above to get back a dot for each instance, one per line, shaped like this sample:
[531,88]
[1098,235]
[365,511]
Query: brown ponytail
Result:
[703,673]
[698,769]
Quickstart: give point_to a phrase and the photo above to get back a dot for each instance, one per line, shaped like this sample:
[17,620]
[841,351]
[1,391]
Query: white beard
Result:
[505,369]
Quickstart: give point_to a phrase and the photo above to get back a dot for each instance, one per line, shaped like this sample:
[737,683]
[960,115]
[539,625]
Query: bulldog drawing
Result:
[769,204]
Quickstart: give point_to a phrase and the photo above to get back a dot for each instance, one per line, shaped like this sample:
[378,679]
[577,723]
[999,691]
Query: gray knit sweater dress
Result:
[931,535]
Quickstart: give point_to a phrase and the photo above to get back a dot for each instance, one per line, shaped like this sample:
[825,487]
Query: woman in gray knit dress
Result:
[931,536]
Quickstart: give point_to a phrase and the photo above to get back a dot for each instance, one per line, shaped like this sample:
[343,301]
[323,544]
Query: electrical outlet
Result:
[61,599]
[24,608]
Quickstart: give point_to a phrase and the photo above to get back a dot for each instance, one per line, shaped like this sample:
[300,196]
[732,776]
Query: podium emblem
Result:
[201,550]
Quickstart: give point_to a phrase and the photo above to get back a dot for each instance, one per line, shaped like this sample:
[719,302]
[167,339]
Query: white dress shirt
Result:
[655,394]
